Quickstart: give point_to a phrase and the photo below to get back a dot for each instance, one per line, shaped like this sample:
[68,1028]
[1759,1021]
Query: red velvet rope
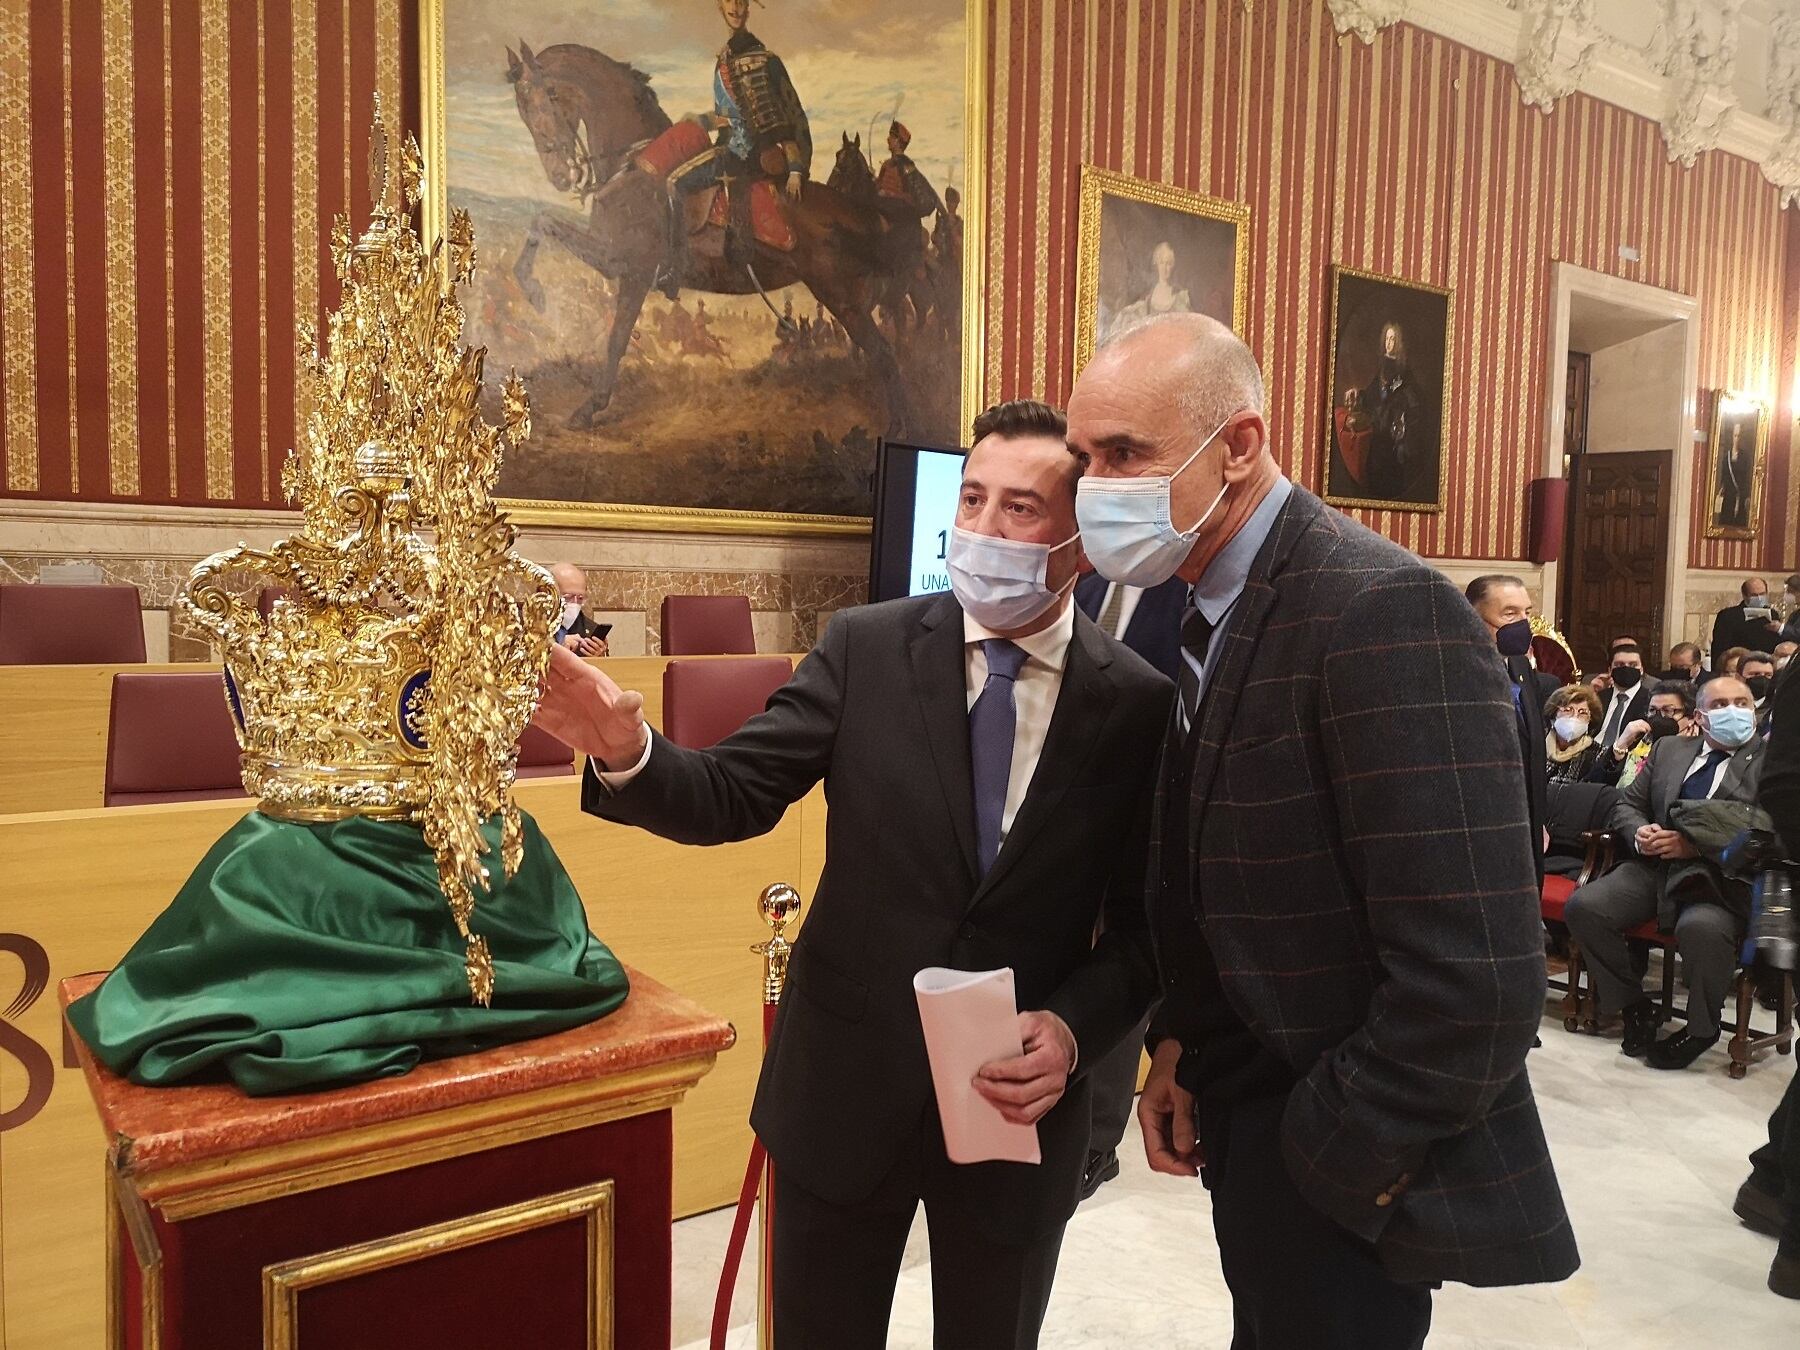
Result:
[740,1223]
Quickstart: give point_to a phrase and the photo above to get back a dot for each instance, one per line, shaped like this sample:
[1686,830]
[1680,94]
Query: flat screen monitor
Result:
[916,488]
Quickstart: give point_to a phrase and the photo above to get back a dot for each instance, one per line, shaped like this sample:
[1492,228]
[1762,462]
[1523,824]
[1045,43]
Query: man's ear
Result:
[1244,436]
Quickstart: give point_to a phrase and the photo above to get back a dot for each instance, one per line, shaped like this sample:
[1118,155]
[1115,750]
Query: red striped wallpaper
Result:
[1414,156]
[169,171]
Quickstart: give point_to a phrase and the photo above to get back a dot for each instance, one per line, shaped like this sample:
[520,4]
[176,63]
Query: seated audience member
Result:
[1627,698]
[1670,712]
[1570,749]
[1504,605]
[1749,623]
[1729,661]
[1622,640]
[1684,662]
[1757,670]
[576,631]
[1783,653]
[1790,605]
[1667,818]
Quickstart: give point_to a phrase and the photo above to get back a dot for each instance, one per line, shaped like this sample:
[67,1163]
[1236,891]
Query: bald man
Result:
[1341,882]
[575,630]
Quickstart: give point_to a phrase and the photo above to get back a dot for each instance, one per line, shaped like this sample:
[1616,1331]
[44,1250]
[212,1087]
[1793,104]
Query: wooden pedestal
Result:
[517,1197]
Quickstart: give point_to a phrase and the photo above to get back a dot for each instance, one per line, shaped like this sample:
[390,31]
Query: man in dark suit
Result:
[574,629]
[1745,624]
[1504,605]
[1340,879]
[1670,879]
[1149,622]
[1769,1199]
[987,756]
[1625,703]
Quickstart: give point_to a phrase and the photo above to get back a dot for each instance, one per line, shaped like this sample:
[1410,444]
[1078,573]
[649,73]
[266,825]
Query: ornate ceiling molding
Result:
[1782,166]
[1699,65]
[1558,42]
[1366,18]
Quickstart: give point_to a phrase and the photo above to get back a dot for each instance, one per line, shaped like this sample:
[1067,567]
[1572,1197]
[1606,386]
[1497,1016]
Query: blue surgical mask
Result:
[1126,528]
[1000,582]
[1730,726]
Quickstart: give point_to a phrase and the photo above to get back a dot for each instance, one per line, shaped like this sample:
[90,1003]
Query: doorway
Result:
[1619,428]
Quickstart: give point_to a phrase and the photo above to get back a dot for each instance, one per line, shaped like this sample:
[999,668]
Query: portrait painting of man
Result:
[721,243]
[1148,249]
[1734,469]
[1389,379]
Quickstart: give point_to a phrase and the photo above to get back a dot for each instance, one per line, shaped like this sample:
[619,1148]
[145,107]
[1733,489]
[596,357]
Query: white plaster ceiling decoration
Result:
[1714,74]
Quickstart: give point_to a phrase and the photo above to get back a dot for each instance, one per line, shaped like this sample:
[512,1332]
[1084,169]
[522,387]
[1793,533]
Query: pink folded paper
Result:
[971,1018]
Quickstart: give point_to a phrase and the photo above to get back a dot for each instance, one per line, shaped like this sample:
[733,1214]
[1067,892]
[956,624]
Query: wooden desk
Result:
[53,723]
[85,884]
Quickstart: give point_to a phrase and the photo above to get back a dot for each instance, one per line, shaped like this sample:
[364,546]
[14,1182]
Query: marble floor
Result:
[1649,1163]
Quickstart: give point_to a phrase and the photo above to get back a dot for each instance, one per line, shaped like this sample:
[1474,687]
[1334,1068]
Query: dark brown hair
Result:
[1020,417]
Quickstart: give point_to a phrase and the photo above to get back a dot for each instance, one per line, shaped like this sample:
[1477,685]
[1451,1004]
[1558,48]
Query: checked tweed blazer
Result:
[1362,872]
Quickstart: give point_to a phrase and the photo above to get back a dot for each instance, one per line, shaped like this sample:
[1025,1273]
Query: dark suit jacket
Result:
[1154,632]
[582,627]
[1530,724]
[1362,861]
[1732,629]
[1607,769]
[1780,788]
[879,712]
[1646,800]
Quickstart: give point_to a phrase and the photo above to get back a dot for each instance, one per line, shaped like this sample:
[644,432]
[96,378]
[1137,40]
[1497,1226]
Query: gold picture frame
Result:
[1342,491]
[1097,186]
[433,123]
[284,1282]
[1734,490]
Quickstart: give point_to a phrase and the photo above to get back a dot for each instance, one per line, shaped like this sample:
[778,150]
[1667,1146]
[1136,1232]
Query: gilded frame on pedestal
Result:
[1730,410]
[1339,272]
[1097,185]
[433,124]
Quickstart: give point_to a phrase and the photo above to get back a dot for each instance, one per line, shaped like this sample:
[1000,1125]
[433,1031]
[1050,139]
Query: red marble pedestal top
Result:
[163,1127]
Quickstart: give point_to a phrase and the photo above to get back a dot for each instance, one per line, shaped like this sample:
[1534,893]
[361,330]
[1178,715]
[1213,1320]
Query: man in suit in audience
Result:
[1757,671]
[987,755]
[1626,700]
[574,629]
[1340,881]
[1750,623]
[1684,663]
[1672,878]
[1504,605]
[1149,622]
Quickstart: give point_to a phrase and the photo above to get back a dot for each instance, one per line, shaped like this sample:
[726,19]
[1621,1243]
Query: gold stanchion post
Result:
[779,903]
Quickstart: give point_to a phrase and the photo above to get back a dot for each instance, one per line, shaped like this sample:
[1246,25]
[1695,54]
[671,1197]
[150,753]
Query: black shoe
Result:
[1784,1274]
[1101,1168]
[1759,1210]
[1680,1050]
[1640,1028]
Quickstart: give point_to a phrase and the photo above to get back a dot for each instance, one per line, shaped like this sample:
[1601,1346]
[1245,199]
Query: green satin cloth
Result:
[303,956]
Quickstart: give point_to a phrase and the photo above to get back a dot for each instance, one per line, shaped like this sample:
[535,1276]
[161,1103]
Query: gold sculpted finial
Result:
[396,675]
[779,904]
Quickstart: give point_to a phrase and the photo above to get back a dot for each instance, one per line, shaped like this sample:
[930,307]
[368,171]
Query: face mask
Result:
[1756,602]
[1571,728]
[1661,724]
[1514,639]
[1759,687]
[1000,582]
[1126,527]
[571,612]
[1626,677]
[1731,727]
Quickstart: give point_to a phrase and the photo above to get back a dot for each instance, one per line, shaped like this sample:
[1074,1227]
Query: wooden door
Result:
[1575,419]
[1619,553]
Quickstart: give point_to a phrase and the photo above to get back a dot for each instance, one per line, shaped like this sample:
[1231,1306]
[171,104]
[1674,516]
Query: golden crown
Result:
[394,676]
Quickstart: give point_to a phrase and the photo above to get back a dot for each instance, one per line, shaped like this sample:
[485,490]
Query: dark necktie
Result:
[1614,715]
[1196,637]
[992,723]
[1698,783]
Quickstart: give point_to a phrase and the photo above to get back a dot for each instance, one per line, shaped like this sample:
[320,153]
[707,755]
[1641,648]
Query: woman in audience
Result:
[1569,745]
[1728,663]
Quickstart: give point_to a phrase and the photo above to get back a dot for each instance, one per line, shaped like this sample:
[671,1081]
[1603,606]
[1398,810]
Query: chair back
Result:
[169,739]
[542,755]
[707,625]
[706,701]
[71,626]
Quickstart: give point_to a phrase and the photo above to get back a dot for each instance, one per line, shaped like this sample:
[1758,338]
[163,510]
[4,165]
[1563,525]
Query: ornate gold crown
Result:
[395,676]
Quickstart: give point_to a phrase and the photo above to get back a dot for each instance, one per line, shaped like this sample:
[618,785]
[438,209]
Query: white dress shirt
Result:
[1034,698]
[1034,695]
[1620,699]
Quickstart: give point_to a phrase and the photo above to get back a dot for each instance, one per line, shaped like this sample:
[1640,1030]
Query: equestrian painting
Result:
[722,241]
